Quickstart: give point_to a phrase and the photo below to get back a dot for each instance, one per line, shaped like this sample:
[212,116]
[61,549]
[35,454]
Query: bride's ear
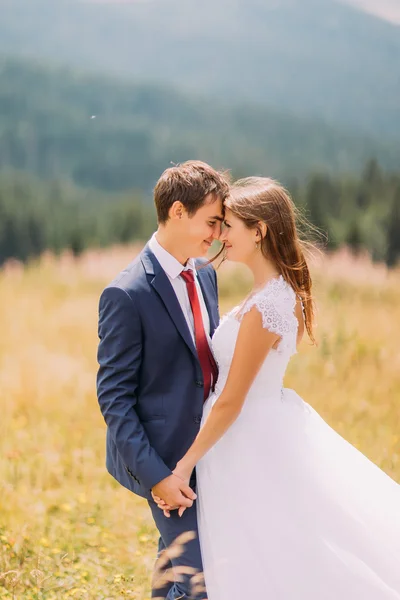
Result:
[263,229]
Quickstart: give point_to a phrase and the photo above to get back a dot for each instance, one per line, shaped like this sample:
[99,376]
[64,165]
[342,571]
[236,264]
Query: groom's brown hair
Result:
[190,183]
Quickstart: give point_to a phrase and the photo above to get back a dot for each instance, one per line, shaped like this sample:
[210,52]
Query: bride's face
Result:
[240,242]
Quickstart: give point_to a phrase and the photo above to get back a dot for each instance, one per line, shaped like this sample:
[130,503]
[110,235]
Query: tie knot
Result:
[188,276]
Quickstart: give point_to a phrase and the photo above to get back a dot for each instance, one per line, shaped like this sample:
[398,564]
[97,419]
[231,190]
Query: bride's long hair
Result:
[257,200]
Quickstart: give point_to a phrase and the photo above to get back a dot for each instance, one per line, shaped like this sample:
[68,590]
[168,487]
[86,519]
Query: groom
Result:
[156,369]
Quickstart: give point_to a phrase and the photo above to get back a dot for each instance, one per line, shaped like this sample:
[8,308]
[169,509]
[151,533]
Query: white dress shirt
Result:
[173,268]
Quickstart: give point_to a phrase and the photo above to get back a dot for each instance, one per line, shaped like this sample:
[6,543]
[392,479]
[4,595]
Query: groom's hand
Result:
[174,493]
[162,506]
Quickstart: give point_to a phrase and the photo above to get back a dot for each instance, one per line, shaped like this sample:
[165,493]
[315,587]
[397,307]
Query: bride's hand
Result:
[185,474]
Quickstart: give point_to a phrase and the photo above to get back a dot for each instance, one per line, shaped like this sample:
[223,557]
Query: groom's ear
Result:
[177,210]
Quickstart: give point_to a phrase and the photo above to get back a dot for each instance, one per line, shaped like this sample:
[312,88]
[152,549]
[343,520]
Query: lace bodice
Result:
[276,302]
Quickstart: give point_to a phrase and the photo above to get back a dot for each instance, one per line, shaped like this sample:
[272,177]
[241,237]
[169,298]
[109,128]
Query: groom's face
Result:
[203,227]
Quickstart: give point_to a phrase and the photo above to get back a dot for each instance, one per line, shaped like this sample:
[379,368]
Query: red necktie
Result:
[206,358]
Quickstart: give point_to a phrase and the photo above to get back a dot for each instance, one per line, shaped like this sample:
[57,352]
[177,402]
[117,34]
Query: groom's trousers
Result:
[179,569]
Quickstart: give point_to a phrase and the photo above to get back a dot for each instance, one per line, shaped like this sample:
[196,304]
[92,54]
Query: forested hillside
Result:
[103,133]
[318,58]
[38,215]
[79,156]
[362,212]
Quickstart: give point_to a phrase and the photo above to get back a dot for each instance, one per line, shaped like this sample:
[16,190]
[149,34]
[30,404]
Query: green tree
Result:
[393,231]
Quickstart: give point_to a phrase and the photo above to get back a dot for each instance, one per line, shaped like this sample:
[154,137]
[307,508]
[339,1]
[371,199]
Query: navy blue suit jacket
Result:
[149,383]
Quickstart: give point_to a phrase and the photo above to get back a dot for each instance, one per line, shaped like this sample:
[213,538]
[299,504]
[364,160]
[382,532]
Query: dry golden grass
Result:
[66,529]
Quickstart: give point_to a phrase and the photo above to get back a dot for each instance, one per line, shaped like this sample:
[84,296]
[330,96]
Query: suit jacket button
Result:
[197,420]
[199,384]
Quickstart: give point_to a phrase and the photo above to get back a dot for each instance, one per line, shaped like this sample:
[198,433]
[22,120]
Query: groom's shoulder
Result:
[205,267]
[132,279]
[201,262]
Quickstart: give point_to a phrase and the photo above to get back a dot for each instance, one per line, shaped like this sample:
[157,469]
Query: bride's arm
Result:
[252,346]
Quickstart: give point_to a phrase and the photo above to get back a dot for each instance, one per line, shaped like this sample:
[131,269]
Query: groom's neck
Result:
[167,239]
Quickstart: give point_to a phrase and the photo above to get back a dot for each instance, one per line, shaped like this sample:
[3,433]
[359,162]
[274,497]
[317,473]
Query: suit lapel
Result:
[164,289]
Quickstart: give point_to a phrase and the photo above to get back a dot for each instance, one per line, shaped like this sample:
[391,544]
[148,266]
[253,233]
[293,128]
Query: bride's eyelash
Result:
[226,225]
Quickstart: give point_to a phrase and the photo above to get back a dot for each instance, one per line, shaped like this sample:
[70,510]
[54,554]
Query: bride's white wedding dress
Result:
[288,510]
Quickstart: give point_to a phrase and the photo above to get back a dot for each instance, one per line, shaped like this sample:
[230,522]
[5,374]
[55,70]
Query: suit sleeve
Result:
[119,357]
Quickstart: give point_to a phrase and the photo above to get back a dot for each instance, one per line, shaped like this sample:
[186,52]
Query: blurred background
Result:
[97,98]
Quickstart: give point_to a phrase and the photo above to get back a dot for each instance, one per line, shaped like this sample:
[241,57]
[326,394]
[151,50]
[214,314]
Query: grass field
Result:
[66,529]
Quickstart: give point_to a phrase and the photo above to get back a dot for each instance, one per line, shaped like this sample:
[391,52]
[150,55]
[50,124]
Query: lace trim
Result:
[276,302]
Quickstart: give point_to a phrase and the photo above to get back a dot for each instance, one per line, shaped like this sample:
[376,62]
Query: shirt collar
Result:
[169,263]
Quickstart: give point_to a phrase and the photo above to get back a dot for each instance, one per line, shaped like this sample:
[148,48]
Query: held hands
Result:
[174,492]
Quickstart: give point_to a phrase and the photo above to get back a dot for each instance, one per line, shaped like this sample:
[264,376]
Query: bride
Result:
[287,509]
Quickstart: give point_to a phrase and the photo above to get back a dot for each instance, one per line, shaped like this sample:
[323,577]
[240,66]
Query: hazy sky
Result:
[387,9]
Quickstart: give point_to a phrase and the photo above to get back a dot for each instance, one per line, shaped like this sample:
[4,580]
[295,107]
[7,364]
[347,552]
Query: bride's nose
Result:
[222,235]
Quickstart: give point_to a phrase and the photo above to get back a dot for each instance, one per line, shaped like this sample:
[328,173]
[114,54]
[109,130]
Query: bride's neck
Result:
[263,270]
